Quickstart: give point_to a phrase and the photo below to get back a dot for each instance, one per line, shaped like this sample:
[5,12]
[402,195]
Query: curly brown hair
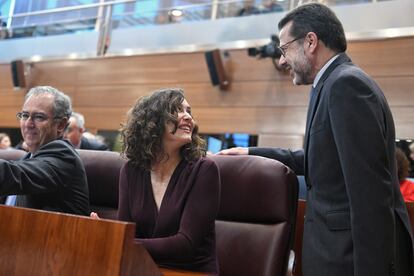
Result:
[145,126]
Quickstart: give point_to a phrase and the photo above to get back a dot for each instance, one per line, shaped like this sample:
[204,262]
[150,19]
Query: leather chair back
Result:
[102,170]
[256,220]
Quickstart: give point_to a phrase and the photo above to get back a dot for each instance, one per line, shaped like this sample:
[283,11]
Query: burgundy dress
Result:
[181,234]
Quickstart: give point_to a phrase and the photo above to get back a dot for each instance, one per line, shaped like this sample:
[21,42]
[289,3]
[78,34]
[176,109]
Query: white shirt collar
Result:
[320,73]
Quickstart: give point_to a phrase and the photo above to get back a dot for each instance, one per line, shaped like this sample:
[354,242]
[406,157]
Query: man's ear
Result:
[311,41]
[61,127]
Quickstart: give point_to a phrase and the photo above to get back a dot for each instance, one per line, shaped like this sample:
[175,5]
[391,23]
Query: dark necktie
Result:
[312,99]
[312,96]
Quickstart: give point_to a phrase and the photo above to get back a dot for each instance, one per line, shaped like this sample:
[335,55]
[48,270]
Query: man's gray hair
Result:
[80,119]
[62,106]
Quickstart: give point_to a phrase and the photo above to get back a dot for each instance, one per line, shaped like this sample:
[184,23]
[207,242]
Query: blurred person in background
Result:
[271,6]
[75,131]
[406,186]
[411,159]
[5,142]
[249,8]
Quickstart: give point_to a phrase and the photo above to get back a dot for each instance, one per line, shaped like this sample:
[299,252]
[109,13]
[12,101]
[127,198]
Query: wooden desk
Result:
[35,242]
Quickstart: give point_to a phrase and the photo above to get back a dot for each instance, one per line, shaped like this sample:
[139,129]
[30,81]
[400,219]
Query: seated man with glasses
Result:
[51,176]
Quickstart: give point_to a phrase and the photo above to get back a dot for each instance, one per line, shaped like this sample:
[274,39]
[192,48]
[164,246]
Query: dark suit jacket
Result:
[53,179]
[356,222]
[91,145]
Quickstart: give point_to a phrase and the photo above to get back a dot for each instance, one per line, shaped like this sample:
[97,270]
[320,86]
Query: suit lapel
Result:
[313,105]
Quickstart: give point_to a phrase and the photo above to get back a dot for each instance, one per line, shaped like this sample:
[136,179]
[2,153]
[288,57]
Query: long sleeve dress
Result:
[181,234]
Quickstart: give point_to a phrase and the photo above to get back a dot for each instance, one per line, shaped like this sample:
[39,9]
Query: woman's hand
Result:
[94,215]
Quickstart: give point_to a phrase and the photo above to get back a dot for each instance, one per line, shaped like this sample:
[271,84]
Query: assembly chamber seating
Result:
[256,220]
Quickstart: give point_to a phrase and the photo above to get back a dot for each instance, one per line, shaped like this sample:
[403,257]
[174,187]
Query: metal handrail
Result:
[115,2]
[73,8]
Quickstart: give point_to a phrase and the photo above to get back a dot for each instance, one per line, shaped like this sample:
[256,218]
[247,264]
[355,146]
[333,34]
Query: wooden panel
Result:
[260,100]
[283,120]
[103,96]
[250,94]
[6,76]
[11,98]
[398,90]
[247,68]
[198,94]
[404,121]
[393,57]
[37,242]
[55,73]
[281,141]
[8,116]
[145,69]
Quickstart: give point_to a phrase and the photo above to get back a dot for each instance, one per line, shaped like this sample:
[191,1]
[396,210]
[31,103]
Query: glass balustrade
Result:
[25,18]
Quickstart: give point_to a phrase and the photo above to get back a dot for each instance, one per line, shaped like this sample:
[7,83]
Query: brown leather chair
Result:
[256,220]
[102,170]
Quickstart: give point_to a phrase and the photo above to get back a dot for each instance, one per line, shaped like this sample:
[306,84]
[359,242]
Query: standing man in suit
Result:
[356,222]
[51,176]
[74,134]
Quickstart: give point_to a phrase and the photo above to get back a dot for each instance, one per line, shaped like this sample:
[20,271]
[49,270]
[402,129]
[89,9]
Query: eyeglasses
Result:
[37,117]
[285,46]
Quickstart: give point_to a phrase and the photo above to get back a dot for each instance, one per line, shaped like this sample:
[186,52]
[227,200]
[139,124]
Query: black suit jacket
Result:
[53,179]
[89,144]
[356,222]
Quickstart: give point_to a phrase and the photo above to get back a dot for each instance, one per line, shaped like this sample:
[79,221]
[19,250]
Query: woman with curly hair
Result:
[168,186]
